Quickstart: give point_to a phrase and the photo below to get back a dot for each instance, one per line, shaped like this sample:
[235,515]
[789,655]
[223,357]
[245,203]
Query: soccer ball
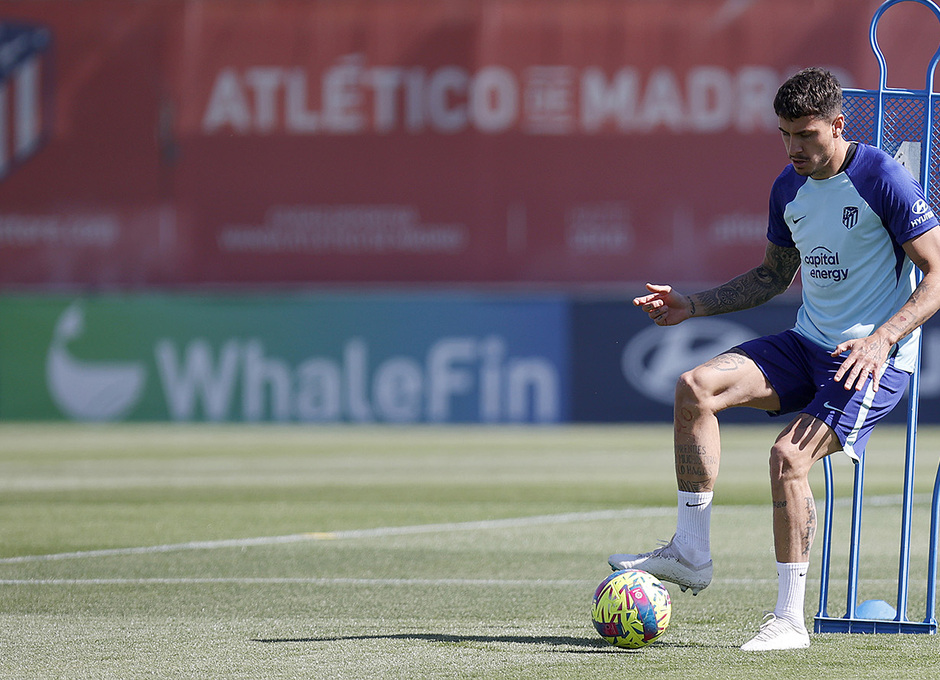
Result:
[631,609]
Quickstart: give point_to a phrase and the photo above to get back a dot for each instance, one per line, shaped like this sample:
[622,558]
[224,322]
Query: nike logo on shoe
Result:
[666,564]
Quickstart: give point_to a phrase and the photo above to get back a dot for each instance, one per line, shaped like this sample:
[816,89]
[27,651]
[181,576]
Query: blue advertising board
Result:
[367,358]
[624,368]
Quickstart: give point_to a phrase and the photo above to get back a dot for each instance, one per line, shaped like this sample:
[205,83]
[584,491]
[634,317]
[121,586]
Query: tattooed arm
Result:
[773,276]
[867,356]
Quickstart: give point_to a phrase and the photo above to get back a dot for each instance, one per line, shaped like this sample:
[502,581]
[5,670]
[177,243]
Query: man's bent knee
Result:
[692,391]
[701,386]
[730,379]
[788,462]
[799,446]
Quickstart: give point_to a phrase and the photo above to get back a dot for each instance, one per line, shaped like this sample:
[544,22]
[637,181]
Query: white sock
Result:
[693,526]
[791,588]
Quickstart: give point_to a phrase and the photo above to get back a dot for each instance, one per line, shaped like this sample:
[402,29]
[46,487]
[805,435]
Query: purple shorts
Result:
[801,373]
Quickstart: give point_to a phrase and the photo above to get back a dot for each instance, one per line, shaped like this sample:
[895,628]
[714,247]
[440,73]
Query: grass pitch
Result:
[288,552]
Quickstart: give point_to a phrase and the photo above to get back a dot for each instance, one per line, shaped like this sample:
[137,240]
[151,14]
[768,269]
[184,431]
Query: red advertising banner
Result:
[180,144]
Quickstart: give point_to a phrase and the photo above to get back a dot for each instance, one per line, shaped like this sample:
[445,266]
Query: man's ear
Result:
[838,126]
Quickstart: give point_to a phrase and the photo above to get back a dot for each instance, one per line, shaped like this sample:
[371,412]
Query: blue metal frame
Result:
[871,128]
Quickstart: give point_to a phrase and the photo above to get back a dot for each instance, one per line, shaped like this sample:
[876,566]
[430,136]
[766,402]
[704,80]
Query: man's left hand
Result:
[867,357]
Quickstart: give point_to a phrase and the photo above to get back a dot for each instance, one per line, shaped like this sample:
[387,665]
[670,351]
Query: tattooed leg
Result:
[698,453]
[730,379]
[801,444]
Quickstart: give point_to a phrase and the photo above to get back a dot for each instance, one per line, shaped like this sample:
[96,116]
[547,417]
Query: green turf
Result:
[498,586]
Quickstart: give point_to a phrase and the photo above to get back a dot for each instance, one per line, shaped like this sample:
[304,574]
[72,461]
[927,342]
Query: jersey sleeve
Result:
[897,198]
[781,194]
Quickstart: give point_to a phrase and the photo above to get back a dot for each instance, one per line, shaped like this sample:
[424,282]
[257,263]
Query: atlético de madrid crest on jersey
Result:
[849,216]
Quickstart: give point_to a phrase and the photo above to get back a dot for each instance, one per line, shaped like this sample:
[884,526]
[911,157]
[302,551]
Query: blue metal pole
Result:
[827,542]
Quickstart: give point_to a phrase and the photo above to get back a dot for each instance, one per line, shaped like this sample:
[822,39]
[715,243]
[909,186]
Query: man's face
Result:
[811,144]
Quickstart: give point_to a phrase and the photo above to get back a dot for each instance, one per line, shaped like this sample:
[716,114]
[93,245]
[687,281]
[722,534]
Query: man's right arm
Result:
[772,277]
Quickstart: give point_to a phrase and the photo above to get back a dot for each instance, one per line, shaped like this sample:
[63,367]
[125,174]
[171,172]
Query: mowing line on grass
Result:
[294,581]
[382,532]
[324,581]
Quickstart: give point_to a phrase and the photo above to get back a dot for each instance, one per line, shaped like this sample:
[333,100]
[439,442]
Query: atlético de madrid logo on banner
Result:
[849,216]
[25,79]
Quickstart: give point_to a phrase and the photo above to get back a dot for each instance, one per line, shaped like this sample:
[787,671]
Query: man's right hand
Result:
[665,306]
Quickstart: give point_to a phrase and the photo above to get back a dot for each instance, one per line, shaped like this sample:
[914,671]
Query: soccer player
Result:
[855,222]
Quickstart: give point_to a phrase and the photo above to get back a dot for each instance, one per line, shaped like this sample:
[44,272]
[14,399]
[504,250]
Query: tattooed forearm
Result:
[912,315]
[755,287]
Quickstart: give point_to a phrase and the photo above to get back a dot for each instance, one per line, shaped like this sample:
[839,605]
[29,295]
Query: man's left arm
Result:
[868,355]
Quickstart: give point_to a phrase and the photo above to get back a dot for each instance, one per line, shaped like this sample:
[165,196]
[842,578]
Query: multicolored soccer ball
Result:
[631,609]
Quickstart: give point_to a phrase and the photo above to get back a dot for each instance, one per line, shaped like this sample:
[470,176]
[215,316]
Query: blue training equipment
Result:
[905,124]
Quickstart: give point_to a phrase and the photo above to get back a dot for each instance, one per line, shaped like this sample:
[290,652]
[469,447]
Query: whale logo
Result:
[83,390]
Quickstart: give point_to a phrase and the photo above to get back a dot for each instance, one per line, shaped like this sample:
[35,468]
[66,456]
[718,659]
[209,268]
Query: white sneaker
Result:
[777,634]
[667,564]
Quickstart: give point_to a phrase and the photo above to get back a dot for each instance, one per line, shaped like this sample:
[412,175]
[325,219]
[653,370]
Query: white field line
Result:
[378,532]
[383,532]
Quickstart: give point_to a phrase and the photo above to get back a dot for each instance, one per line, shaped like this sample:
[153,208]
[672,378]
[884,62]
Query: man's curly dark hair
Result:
[811,92]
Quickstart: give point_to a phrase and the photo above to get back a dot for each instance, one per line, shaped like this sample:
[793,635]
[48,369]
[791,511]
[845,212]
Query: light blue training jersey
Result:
[849,229]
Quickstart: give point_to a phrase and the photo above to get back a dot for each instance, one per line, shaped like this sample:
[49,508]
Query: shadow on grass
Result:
[583,645]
